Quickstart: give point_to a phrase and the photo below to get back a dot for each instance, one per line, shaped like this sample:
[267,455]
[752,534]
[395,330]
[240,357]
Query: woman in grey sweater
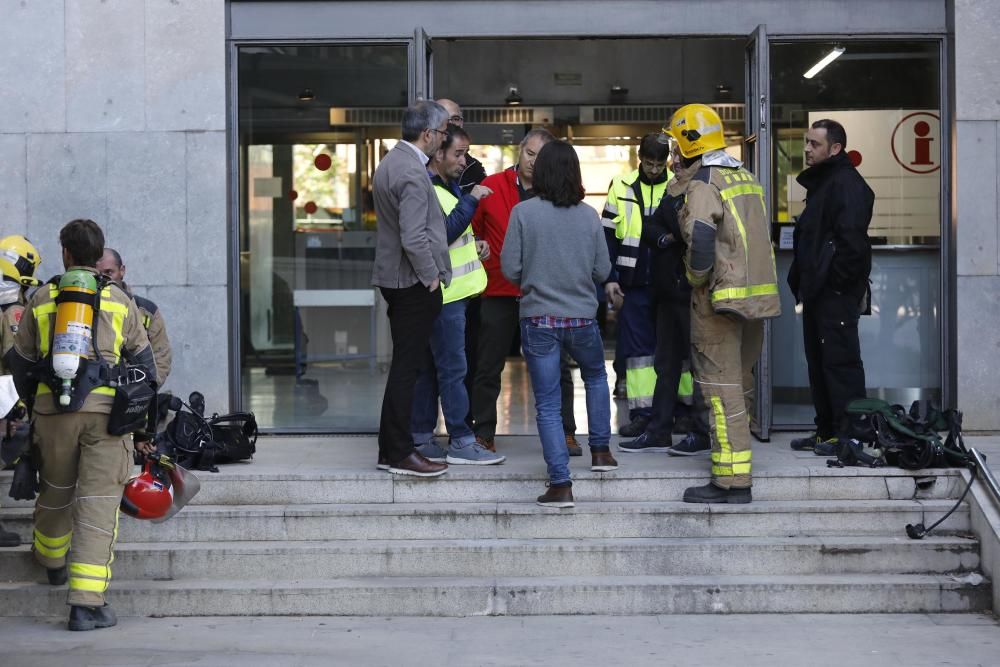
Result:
[555,251]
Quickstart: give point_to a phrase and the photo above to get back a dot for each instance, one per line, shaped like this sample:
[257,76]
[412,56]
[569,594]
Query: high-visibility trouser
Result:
[82,473]
[724,350]
[637,329]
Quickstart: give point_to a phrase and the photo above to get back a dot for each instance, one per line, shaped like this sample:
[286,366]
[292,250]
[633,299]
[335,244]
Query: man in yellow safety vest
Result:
[444,372]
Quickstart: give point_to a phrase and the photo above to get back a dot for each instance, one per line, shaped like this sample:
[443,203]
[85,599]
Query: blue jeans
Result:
[542,347]
[444,377]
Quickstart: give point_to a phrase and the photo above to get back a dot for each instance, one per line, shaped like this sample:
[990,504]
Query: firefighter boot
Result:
[710,493]
[91,618]
[8,539]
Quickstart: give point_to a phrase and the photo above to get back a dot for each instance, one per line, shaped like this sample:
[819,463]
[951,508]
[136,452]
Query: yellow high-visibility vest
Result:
[468,277]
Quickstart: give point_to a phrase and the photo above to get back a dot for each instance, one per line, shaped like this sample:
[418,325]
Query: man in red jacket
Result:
[499,318]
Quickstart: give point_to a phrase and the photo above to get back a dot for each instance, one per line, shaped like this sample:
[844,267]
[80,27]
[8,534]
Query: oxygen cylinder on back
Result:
[74,326]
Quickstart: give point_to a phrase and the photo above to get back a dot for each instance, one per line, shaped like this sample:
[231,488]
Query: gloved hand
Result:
[24,486]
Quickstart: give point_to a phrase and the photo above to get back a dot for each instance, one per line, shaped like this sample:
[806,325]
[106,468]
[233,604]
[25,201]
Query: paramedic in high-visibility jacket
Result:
[730,265]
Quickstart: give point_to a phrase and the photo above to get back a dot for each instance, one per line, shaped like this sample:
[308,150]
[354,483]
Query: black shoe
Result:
[710,493]
[9,539]
[691,445]
[91,618]
[809,442]
[829,447]
[644,443]
[57,575]
[635,428]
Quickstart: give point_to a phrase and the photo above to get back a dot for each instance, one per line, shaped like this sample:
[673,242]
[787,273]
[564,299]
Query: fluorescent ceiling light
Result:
[826,60]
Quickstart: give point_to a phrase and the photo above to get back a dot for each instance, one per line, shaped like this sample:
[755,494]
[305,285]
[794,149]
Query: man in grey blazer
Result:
[411,264]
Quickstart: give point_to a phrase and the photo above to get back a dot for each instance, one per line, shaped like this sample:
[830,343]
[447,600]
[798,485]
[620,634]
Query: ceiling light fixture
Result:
[824,61]
[307,95]
[513,98]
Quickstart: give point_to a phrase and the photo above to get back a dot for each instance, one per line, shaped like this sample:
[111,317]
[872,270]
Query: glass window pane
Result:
[313,341]
[886,94]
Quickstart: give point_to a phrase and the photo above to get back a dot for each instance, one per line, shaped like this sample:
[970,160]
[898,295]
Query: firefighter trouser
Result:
[637,332]
[724,350]
[82,474]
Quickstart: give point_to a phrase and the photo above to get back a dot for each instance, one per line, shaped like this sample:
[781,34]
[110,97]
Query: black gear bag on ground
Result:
[199,443]
[911,439]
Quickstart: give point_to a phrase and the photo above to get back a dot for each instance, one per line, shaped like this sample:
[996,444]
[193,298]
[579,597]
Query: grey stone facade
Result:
[116,111]
[977,107]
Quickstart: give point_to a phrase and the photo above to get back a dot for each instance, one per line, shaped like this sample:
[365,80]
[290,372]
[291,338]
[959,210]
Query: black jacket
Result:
[661,233]
[832,248]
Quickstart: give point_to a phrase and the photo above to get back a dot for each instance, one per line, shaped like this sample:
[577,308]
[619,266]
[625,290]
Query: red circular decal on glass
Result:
[311,207]
[855,158]
[323,162]
[293,194]
[916,142]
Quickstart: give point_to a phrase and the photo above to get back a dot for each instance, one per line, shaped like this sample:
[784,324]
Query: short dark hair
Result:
[84,241]
[423,115]
[557,175]
[114,253]
[835,132]
[454,132]
[651,147]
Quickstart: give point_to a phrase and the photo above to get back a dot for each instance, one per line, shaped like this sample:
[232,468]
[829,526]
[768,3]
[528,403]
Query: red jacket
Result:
[490,224]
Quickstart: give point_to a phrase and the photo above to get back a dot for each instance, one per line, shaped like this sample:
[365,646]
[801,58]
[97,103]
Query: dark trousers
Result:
[499,320]
[833,353]
[471,349]
[412,311]
[673,348]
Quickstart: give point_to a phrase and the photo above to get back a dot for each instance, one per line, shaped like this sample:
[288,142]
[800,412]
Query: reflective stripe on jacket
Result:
[623,219]
[468,277]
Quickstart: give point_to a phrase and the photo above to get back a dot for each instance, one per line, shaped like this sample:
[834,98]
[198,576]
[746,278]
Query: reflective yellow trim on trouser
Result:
[52,547]
[640,382]
[726,462]
[87,577]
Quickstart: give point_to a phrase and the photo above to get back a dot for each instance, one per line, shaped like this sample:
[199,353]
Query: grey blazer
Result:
[411,244]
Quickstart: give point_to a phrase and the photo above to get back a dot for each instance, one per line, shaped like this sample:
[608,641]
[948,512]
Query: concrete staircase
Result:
[270,541]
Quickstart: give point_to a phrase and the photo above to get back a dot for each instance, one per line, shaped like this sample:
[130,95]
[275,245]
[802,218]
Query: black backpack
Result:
[910,439]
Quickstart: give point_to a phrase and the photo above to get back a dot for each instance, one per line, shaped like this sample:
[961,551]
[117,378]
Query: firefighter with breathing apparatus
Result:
[79,343]
[18,261]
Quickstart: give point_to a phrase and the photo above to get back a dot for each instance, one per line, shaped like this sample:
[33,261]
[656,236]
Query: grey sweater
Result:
[555,255]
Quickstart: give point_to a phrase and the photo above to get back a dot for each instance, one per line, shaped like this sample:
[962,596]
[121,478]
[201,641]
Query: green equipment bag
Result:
[910,439]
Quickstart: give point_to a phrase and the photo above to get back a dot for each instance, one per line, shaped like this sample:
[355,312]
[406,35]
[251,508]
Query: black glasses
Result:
[434,129]
[456,119]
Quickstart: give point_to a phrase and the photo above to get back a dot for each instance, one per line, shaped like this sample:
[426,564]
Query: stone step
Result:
[410,521]
[239,485]
[527,558]
[449,596]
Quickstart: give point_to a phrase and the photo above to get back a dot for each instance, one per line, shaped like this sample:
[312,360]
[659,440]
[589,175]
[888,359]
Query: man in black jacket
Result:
[671,297]
[829,277]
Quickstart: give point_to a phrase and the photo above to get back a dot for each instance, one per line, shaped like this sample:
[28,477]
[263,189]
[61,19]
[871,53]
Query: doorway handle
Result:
[763,112]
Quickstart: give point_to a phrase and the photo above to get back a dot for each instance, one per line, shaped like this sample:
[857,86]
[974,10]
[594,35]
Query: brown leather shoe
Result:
[602,462]
[486,443]
[383,463]
[557,496]
[417,465]
[573,446]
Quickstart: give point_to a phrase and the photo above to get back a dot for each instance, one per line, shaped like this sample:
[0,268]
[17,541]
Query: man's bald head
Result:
[454,111]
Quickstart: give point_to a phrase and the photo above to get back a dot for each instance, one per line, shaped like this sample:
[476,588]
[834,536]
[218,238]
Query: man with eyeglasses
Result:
[411,266]
[474,172]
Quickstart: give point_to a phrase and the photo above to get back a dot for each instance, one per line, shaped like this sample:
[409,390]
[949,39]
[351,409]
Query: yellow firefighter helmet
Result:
[19,259]
[697,129]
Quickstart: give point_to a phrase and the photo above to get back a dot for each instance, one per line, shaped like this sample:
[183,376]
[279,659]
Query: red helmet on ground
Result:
[150,495]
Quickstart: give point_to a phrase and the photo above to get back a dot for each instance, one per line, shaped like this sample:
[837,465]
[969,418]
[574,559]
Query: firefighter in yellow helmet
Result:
[82,467]
[18,261]
[730,265]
